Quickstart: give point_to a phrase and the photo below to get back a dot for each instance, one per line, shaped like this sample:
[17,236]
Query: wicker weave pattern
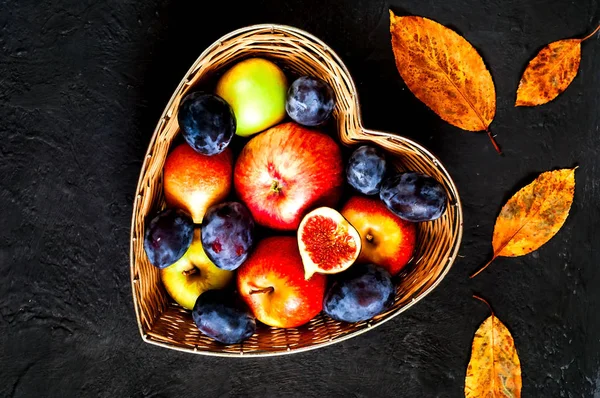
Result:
[163,322]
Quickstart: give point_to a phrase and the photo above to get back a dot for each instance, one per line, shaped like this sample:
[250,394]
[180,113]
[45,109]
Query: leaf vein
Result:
[447,76]
[560,61]
[529,217]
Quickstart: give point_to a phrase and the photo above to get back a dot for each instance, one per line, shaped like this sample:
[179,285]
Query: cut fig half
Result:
[328,243]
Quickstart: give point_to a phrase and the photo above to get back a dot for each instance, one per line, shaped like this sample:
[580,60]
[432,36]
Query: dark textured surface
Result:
[82,84]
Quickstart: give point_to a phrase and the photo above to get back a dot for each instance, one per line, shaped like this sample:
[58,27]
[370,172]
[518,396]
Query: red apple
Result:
[286,171]
[272,283]
[387,240]
[194,182]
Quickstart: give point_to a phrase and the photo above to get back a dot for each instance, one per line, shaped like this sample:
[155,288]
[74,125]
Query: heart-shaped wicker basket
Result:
[163,322]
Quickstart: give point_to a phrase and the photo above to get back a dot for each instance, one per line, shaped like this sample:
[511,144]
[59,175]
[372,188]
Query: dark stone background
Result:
[82,84]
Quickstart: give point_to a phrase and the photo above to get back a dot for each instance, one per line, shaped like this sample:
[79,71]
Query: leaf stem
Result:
[591,34]
[484,267]
[494,143]
[484,301]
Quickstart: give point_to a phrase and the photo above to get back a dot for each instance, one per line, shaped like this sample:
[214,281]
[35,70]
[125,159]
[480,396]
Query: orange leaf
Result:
[494,369]
[533,215]
[550,72]
[444,71]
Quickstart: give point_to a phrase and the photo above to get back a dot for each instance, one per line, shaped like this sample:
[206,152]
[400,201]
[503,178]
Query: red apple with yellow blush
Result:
[387,240]
[286,171]
[193,274]
[194,182]
[271,281]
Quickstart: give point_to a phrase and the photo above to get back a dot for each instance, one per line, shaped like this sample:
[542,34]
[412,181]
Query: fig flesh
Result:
[328,243]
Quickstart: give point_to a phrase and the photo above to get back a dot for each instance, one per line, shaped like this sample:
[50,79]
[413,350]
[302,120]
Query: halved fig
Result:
[328,242]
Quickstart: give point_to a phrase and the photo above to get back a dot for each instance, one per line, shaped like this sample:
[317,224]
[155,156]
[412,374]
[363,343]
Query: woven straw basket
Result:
[163,322]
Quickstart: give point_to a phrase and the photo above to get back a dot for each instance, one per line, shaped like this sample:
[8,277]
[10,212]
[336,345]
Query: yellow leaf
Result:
[533,215]
[494,370]
[444,71]
[550,72]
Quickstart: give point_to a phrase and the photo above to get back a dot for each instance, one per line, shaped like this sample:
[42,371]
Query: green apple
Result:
[256,89]
[193,274]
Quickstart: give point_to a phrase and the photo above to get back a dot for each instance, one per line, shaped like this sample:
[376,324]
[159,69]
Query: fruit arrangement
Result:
[263,233]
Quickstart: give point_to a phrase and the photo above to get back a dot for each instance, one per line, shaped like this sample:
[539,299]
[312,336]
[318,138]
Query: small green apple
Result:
[193,274]
[256,89]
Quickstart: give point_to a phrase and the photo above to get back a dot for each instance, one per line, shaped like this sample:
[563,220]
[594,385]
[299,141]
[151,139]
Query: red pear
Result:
[194,182]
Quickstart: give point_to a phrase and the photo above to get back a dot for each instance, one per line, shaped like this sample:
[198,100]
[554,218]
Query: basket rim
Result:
[366,133]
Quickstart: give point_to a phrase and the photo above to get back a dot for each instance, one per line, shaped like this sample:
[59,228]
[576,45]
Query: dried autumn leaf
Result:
[494,369]
[445,72]
[550,72]
[533,215]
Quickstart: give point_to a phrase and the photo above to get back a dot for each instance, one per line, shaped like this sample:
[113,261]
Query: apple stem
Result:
[269,289]
[369,237]
[190,271]
[275,187]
